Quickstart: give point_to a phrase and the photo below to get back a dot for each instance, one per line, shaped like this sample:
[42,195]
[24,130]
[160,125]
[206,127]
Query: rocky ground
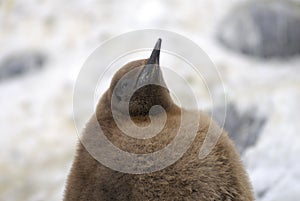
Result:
[43,45]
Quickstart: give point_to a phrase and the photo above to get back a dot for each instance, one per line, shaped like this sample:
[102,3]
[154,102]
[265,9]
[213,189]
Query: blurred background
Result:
[44,43]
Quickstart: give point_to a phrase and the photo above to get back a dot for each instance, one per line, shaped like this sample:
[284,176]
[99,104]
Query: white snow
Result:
[38,137]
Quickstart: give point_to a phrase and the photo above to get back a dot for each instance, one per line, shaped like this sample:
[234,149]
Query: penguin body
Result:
[219,176]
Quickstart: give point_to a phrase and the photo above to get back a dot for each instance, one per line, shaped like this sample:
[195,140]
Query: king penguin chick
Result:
[218,176]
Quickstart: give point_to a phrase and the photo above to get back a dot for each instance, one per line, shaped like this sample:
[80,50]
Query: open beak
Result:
[151,73]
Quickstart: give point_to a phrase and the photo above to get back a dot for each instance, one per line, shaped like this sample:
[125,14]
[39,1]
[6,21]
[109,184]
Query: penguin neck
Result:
[135,145]
[104,111]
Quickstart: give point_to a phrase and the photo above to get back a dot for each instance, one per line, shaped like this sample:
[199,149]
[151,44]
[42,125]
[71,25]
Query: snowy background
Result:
[43,45]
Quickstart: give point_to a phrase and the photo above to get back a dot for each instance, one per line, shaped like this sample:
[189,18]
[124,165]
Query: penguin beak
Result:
[151,72]
[154,58]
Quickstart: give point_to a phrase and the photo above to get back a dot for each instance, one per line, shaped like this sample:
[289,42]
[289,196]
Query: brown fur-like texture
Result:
[219,176]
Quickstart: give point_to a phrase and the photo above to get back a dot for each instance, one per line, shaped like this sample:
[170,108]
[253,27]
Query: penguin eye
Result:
[122,89]
[124,85]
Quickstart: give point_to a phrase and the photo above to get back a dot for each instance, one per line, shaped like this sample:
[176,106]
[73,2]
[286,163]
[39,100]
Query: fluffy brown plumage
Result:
[219,176]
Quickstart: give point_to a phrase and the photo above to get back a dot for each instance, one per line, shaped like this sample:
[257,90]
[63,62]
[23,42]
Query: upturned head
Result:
[138,86]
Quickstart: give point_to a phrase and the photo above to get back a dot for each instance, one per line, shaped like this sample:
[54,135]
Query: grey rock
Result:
[21,63]
[244,128]
[264,28]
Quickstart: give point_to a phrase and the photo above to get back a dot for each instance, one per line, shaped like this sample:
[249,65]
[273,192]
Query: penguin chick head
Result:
[139,85]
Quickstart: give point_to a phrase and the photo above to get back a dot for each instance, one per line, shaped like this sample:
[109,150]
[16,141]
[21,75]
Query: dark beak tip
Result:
[151,71]
[158,44]
[154,58]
